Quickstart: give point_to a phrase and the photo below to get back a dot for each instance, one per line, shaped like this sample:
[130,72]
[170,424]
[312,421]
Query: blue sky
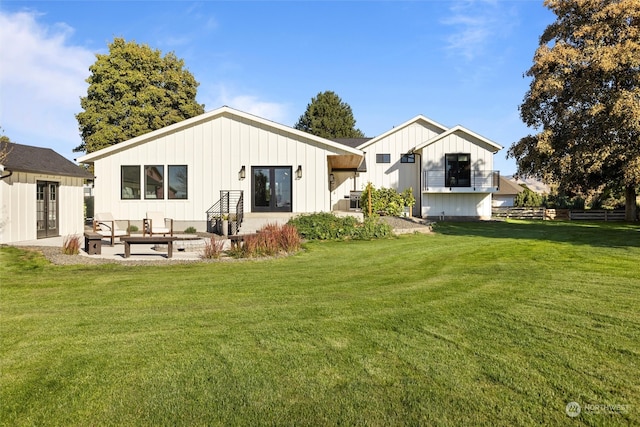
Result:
[456,62]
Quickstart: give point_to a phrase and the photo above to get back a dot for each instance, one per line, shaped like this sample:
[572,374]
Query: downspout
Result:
[419,179]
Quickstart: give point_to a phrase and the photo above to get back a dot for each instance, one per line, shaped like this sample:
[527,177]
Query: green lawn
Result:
[478,324]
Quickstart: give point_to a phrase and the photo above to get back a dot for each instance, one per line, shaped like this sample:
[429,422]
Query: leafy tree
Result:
[134,90]
[584,100]
[528,198]
[5,147]
[328,117]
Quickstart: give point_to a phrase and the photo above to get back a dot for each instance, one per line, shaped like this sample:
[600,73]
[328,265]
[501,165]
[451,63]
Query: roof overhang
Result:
[346,163]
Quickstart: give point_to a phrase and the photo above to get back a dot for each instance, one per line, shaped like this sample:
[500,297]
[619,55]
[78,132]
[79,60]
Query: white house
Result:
[41,194]
[187,170]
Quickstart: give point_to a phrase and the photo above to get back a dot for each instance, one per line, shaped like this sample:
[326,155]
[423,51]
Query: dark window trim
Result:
[383,158]
[408,158]
[122,187]
[458,171]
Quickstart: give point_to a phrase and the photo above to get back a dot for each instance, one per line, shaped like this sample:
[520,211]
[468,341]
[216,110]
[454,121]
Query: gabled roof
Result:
[211,115]
[351,142]
[417,119]
[26,158]
[496,147]
[508,187]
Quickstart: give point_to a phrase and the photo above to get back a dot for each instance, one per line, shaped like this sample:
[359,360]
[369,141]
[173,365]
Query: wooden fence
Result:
[558,214]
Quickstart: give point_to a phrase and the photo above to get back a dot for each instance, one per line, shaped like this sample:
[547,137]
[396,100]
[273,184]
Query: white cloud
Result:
[476,24]
[220,95]
[41,81]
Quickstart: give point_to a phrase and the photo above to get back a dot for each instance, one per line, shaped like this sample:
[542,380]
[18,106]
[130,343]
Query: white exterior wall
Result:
[481,154]
[471,205]
[18,206]
[396,175]
[214,151]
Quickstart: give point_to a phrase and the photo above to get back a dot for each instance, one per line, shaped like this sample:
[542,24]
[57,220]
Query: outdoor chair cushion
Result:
[156,223]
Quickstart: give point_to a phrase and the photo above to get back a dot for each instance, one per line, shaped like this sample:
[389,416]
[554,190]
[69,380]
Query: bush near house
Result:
[386,201]
[327,226]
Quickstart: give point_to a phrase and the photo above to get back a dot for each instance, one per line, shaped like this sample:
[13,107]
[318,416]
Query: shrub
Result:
[133,228]
[270,240]
[212,248]
[71,245]
[327,226]
[386,201]
[372,228]
[190,230]
[324,226]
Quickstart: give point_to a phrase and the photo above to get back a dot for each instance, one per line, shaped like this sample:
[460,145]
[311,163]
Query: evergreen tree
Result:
[134,90]
[328,117]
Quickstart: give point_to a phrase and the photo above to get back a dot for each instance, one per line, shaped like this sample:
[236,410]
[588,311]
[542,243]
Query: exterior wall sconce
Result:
[299,172]
[332,178]
[243,173]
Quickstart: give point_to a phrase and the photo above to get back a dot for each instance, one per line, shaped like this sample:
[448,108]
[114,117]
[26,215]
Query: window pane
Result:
[383,158]
[130,182]
[458,168]
[177,182]
[408,158]
[154,182]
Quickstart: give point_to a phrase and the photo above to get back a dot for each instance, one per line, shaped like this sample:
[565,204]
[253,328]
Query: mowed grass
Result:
[478,324]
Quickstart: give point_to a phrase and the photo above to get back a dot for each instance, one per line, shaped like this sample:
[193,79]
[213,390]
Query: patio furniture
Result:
[106,226]
[92,243]
[139,240]
[156,223]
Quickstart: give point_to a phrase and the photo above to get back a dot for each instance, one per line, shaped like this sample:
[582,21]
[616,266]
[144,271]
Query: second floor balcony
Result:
[461,181]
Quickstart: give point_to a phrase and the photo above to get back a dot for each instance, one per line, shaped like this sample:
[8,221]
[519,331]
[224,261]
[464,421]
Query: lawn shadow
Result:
[600,234]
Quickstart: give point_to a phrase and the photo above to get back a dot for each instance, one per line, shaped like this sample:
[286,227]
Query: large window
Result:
[177,182]
[154,182]
[130,182]
[458,168]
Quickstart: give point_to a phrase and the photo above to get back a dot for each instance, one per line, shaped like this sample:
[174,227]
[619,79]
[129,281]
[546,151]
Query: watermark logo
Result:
[573,409]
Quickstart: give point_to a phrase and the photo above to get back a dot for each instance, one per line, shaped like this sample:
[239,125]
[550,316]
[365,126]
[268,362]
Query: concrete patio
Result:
[185,248]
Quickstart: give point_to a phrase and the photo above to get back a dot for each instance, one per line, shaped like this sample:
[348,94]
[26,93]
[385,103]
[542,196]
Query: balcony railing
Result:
[475,180]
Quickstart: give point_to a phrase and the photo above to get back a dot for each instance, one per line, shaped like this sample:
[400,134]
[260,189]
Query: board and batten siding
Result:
[18,216]
[433,155]
[470,205]
[214,151]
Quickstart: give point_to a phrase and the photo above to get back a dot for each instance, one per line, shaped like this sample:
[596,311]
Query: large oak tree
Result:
[134,90]
[584,100]
[328,116]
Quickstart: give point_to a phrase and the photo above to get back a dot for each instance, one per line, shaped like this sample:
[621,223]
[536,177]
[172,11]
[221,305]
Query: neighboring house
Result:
[505,197]
[184,169]
[41,194]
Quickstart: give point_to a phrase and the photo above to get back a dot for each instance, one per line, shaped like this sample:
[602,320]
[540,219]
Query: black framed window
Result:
[383,158]
[408,158]
[178,187]
[130,182]
[154,182]
[458,169]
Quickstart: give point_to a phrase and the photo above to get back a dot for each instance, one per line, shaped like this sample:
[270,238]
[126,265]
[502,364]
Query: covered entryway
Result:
[271,189]
[47,209]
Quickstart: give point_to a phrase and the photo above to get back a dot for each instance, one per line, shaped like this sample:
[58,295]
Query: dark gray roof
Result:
[25,158]
[351,142]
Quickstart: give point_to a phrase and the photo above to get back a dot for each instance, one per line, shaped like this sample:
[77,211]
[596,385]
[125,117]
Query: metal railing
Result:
[229,208]
[476,180]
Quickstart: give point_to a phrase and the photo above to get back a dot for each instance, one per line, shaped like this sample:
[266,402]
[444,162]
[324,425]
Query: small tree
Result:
[528,198]
[328,117]
[134,90]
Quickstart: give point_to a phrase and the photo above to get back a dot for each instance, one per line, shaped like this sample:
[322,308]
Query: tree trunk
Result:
[630,203]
